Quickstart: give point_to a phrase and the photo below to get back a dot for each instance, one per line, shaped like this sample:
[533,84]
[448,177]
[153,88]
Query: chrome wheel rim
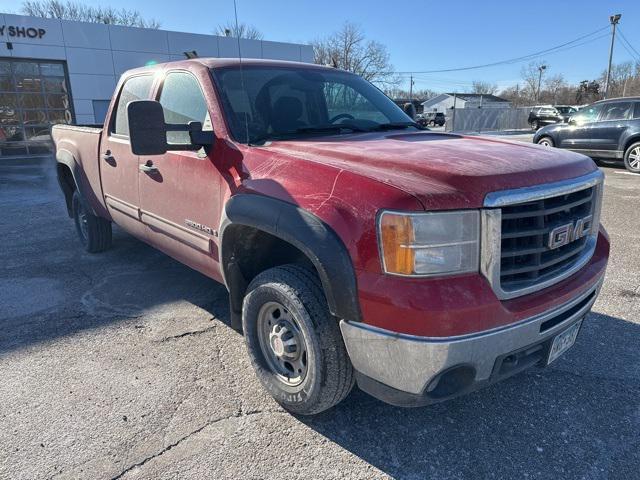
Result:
[634,158]
[282,343]
[545,143]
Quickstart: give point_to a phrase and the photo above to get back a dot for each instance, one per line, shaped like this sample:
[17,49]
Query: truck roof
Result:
[225,62]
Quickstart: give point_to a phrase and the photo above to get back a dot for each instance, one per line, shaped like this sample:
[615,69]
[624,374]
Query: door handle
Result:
[107,155]
[148,167]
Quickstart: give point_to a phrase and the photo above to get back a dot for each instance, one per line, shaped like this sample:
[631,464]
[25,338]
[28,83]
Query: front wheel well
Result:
[248,251]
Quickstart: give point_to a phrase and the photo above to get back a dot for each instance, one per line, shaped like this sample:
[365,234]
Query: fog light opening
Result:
[451,382]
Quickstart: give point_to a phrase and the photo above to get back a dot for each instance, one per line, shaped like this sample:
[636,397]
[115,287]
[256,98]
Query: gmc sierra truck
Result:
[356,246]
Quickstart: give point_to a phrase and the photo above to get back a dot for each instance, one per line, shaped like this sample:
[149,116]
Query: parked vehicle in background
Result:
[420,120]
[433,119]
[608,129]
[543,115]
[565,112]
[355,246]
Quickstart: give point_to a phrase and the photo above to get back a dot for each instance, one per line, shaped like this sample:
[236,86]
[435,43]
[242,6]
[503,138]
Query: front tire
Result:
[632,158]
[94,232]
[294,343]
[546,142]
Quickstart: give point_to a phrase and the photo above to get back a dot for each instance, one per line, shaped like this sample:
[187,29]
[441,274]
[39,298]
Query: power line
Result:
[635,54]
[518,59]
[426,78]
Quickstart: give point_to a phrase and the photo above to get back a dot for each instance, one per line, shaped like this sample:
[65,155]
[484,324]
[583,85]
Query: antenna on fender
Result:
[246,116]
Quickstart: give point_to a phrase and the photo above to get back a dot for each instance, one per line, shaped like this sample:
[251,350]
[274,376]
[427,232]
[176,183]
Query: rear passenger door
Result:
[613,121]
[180,197]
[118,165]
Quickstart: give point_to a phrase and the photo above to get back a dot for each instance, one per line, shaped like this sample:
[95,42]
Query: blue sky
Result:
[426,35]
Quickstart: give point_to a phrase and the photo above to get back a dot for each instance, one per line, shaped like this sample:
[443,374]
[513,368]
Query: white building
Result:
[446,101]
[55,71]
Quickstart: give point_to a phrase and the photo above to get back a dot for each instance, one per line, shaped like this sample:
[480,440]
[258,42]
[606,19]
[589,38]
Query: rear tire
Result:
[632,158]
[294,343]
[546,142]
[94,232]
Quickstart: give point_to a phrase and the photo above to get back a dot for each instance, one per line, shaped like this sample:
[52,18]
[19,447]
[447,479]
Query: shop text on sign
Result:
[14,31]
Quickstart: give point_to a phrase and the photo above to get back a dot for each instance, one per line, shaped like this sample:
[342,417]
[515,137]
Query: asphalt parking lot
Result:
[121,365]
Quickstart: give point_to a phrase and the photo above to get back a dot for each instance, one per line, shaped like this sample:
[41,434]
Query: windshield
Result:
[287,102]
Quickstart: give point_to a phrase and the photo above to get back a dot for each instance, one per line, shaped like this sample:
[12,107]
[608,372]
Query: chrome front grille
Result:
[525,256]
[537,236]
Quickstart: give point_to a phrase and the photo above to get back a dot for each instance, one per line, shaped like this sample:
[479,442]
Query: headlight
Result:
[433,243]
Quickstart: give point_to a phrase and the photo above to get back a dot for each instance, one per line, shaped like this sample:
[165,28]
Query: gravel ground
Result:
[121,365]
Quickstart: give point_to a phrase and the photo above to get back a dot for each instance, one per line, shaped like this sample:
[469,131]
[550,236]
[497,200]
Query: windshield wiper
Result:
[330,128]
[396,126]
[302,130]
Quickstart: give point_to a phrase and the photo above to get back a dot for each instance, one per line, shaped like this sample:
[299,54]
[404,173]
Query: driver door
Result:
[578,135]
[180,194]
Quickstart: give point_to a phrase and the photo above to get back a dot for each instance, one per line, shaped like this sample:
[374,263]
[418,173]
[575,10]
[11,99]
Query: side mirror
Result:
[148,130]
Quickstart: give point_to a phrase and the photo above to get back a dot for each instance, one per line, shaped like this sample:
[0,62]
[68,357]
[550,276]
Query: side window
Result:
[636,110]
[587,114]
[183,102]
[616,111]
[135,88]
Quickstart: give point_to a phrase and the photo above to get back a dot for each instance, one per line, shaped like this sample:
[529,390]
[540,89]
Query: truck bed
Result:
[78,147]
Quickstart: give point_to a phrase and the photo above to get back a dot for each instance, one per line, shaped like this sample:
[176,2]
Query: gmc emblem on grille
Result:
[570,232]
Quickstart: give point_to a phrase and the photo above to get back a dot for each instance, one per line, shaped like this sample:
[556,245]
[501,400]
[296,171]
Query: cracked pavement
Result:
[122,366]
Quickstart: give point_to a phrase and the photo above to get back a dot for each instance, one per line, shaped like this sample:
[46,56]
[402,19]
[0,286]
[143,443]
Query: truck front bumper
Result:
[408,370]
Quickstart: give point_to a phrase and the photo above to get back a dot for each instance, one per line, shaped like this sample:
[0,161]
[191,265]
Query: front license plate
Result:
[564,341]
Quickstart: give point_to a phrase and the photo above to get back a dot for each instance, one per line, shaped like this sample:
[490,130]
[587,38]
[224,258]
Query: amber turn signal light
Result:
[396,234]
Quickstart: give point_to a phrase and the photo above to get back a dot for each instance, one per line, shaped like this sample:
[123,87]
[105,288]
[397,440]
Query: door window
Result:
[183,102]
[616,111]
[587,114]
[134,88]
[636,110]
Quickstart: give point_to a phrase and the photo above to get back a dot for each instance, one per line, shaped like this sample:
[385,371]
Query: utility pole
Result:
[614,19]
[411,88]
[453,114]
[541,69]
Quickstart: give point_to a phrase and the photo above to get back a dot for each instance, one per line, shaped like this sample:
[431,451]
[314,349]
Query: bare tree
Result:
[484,88]
[400,93]
[70,10]
[621,80]
[553,86]
[349,50]
[531,75]
[243,30]
[514,94]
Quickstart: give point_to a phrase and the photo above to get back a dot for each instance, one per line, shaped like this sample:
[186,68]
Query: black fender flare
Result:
[309,234]
[65,157]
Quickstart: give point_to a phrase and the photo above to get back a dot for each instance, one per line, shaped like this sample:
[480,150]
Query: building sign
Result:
[13,31]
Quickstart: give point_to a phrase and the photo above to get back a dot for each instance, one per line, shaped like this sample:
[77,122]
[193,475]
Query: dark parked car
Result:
[541,116]
[606,129]
[431,119]
[566,111]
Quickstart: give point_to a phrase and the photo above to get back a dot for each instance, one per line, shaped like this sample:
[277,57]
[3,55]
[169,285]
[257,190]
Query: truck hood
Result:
[441,170]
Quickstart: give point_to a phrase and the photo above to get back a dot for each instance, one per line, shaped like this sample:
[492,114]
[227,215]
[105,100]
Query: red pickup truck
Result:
[355,245]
